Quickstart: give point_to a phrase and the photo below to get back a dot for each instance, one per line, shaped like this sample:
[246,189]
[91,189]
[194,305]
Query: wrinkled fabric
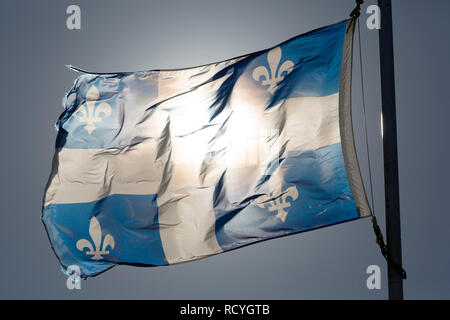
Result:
[161,167]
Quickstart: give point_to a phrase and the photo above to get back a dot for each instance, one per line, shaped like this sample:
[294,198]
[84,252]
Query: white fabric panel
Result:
[84,175]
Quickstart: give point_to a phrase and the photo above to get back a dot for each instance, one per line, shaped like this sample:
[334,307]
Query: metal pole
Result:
[393,234]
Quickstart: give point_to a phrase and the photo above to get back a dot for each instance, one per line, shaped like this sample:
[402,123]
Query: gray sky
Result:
[329,263]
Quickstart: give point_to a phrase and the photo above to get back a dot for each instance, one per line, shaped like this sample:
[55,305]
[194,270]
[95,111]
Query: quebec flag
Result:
[162,167]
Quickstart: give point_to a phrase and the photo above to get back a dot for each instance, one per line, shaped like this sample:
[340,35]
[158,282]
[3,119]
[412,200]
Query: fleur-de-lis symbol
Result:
[89,114]
[96,234]
[272,79]
[280,203]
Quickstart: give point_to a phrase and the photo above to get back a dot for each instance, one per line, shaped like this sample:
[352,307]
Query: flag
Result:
[167,166]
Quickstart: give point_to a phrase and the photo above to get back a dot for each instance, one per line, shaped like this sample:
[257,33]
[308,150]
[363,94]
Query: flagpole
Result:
[391,186]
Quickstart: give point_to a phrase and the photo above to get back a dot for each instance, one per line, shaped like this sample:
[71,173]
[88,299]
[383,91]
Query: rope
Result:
[376,228]
[384,250]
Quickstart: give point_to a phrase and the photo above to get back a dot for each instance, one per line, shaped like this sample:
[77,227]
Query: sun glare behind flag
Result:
[167,166]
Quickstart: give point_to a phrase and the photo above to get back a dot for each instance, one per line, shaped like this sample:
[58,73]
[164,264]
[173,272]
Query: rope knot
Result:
[357,10]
